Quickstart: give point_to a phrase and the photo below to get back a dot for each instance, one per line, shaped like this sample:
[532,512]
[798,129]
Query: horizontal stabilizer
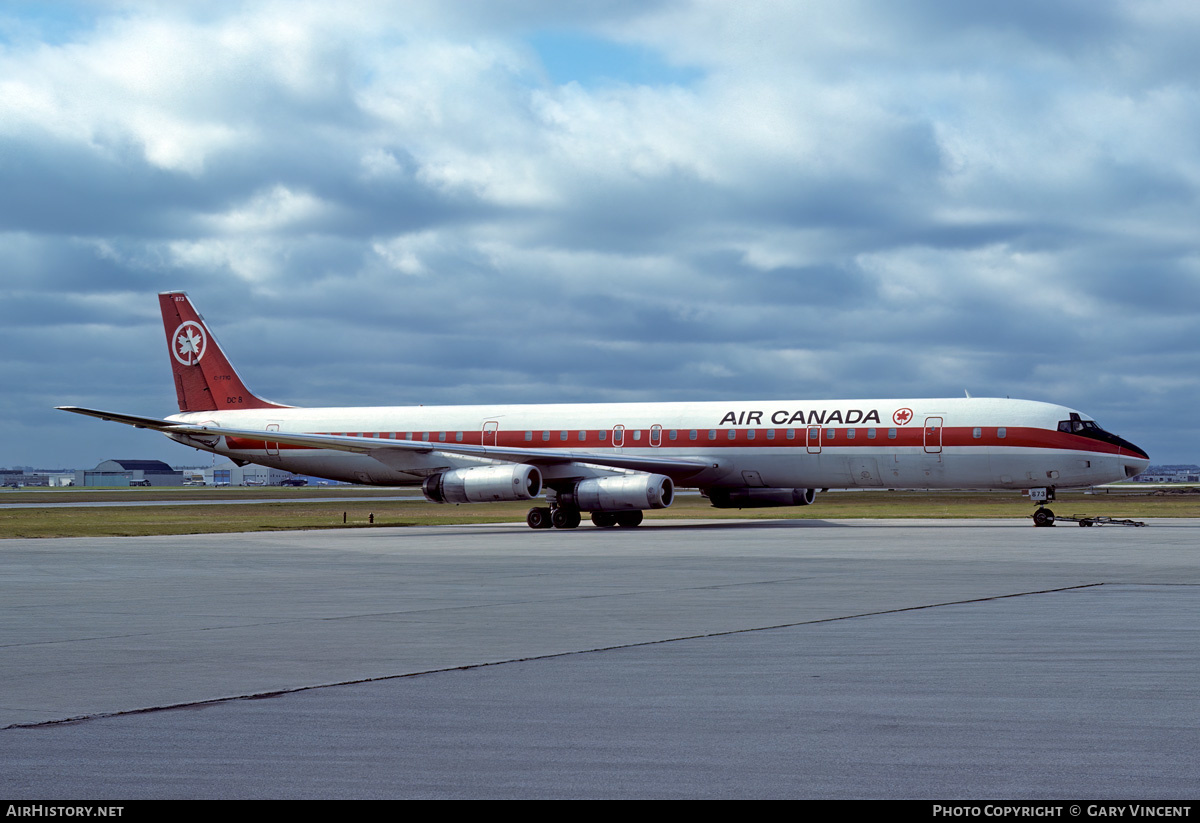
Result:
[128,419]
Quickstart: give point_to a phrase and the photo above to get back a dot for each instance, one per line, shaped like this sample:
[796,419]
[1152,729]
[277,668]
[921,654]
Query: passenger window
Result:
[1002,432]
[712,434]
[545,435]
[977,432]
[849,434]
[791,434]
[673,434]
[749,434]
[692,434]
[528,436]
[603,434]
[637,434]
[870,434]
[770,434]
[891,434]
[582,436]
[442,436]
[830,434]
[732,434]
[562,435]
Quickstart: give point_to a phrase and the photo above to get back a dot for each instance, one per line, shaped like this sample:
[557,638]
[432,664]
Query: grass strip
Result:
[282,515]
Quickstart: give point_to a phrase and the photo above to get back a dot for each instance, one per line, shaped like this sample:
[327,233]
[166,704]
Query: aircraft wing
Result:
[674,467]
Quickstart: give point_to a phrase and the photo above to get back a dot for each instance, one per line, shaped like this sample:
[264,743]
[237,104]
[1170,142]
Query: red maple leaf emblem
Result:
[902,416]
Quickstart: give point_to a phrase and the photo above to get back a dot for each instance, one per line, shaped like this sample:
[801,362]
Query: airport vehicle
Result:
[618,460]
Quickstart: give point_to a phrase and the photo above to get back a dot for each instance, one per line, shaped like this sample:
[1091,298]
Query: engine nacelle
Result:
[623,493]
[486,484]
[760,498]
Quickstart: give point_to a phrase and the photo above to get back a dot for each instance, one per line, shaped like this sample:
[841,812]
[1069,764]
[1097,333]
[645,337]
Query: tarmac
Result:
[694,659]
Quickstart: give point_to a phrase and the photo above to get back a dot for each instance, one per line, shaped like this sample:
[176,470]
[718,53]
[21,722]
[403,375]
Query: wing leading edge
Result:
[673,467]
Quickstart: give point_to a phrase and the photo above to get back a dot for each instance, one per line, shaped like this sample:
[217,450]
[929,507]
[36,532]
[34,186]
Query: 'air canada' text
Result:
[849,417]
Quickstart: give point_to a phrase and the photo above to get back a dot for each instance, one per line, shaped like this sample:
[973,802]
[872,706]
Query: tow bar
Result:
[1045,517]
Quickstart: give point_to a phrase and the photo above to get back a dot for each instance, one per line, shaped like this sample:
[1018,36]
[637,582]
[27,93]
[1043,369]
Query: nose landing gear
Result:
[1043,516]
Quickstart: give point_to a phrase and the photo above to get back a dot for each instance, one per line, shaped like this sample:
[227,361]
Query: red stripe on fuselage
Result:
[951,437]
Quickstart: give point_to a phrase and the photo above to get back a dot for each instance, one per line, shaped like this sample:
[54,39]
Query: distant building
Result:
[41,477]
[1170,474]
[18,477]
[125,473]
[231,474]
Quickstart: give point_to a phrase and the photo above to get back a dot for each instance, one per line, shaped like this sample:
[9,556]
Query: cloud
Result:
[432,202]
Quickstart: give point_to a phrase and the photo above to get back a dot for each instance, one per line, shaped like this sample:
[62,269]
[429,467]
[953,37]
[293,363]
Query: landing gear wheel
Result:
[565,518]
[538,518]
[627,520]
[1043,517]
[605,520]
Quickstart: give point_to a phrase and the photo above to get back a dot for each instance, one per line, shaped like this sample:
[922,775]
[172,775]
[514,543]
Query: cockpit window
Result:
[1077,425]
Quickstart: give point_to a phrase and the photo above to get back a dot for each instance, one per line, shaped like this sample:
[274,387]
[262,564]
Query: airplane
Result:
[618,460]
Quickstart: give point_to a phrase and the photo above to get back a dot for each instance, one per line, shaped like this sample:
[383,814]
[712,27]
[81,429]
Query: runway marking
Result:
[198,704]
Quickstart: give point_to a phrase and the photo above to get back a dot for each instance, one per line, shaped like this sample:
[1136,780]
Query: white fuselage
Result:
[917,443]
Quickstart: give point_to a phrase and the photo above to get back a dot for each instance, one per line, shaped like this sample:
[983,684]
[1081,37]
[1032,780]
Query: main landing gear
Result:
[562,517]
[538,518]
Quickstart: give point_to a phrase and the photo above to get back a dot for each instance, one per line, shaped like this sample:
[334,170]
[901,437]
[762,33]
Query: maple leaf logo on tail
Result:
[190,343]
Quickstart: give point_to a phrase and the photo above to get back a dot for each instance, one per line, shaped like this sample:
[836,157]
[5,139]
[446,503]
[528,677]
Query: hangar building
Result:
[125,473]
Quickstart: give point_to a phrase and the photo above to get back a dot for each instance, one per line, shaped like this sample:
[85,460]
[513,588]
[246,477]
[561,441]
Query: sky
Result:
[534,201]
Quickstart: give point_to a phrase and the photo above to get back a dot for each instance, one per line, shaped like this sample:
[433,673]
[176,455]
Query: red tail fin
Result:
[204,378]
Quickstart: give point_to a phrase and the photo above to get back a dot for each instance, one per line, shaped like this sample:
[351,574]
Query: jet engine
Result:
[760,498]
[485,484]
[621,493]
